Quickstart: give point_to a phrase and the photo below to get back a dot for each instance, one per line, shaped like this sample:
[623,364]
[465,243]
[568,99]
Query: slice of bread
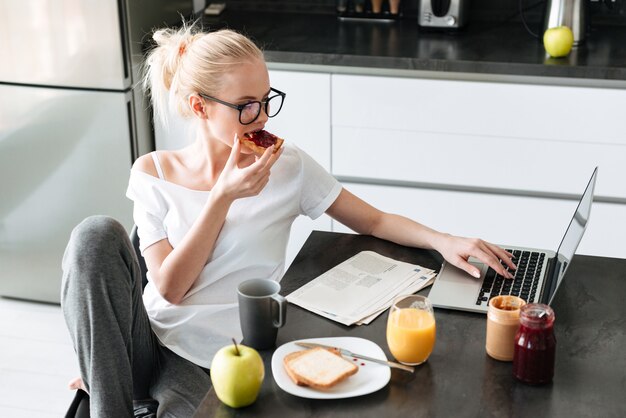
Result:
[268,140]
[318,368]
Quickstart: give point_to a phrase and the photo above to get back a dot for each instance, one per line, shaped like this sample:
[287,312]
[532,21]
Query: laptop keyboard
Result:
[524,284]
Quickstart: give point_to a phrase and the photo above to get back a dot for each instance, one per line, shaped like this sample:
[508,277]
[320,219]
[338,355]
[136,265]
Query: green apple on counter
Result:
[558,41]
[237,373]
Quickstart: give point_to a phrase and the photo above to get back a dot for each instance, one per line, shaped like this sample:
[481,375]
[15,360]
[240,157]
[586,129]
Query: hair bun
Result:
[163,37]
[173,41]
[171,45]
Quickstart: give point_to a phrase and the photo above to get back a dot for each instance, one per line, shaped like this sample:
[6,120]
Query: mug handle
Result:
[282,310]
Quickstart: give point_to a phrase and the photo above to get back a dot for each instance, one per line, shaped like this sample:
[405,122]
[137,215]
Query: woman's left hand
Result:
[456,250]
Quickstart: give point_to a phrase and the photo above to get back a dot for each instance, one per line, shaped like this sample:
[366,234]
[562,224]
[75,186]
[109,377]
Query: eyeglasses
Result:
[250,111]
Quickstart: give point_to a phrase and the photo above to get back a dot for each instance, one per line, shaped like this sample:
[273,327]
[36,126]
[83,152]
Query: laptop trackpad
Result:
[456,275]
[457,289]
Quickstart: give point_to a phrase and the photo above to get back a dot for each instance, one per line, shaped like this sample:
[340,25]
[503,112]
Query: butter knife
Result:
[349,353]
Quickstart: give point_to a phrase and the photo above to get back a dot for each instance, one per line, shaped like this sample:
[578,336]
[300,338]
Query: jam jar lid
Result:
[536,315]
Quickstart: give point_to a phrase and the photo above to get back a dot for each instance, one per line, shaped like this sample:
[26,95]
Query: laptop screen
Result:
[574,232]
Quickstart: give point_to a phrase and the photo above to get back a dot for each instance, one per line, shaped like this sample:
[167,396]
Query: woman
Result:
[209,216]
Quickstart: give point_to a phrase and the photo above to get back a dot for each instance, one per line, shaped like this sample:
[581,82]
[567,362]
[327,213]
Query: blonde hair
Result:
[187,61]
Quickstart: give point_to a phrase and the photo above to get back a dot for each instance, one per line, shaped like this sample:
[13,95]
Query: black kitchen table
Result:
[459,379]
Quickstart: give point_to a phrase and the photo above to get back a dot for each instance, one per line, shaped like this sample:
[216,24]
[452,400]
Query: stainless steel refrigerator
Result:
[72,121]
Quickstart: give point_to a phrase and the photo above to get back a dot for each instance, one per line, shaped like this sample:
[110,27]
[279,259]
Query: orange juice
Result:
[411,335]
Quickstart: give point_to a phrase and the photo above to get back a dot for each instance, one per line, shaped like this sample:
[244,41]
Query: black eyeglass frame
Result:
[262,104]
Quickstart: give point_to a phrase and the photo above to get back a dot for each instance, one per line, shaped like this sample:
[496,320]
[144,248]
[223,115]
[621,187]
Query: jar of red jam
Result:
[535,345]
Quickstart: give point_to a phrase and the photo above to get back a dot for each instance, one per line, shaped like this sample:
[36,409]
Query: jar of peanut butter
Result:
[502,324]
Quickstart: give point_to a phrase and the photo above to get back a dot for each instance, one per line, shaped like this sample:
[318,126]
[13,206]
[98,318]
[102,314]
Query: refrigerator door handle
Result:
[124,38]
[132,128]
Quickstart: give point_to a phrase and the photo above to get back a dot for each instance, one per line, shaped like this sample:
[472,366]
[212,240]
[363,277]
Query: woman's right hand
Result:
[236,183]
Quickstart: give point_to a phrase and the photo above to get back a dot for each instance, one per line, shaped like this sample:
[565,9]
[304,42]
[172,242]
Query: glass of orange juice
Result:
[411,329]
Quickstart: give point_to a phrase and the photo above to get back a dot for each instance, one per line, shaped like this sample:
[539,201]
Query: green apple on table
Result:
[237,373]
[558,41]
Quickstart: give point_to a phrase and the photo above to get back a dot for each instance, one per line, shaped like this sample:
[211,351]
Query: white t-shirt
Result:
[251,244]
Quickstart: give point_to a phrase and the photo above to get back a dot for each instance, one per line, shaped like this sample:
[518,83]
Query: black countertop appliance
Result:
[449,14]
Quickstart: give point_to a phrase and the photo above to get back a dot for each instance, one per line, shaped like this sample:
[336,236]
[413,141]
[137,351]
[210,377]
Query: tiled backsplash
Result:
[486,10]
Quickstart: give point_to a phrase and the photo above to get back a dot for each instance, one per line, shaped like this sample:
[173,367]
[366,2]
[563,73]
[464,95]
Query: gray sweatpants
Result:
[119,356]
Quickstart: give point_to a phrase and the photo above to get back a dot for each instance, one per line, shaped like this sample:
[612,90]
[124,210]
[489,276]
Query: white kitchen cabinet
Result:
[469,161]
[526,146]
[304,121]
[502,219]
[544,139]
[541,112]
[305,117]
[177,134]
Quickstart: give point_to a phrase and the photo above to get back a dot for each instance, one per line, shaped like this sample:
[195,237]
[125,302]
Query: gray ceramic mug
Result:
[261,312]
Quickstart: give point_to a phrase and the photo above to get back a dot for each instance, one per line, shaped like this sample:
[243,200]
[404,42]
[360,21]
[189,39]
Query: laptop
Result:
[539,272]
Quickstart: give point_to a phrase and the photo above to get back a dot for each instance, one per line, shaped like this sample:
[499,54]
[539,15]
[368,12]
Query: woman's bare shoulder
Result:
[171,163]
[146,165]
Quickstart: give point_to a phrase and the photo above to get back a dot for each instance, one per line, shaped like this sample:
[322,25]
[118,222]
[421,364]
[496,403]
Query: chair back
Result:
[134,239]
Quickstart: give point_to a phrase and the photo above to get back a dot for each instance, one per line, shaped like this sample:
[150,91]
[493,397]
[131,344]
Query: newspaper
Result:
[361,288]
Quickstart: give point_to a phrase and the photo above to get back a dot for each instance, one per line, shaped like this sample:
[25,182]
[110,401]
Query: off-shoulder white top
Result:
[251,244]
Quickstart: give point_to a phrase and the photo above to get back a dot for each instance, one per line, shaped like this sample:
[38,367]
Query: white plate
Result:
[370,377]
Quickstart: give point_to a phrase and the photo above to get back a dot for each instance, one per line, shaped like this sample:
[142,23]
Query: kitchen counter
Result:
[482,51]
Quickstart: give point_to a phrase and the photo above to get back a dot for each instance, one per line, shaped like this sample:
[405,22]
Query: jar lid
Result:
[505,309]
[536,315]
